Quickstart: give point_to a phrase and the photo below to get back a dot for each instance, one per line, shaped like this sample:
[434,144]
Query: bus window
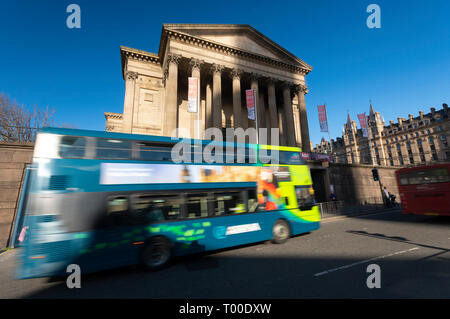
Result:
[229,203]
[113,149]
[117,205]
[72,147]
[197,205]
[148,209]
[252,201]
[154,152]
[116,212]
[305,197]
[437,175]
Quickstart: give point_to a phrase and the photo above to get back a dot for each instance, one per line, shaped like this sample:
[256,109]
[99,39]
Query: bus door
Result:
[114,235]
[238,218]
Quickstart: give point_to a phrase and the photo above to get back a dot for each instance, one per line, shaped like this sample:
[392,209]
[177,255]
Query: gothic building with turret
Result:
[408,142]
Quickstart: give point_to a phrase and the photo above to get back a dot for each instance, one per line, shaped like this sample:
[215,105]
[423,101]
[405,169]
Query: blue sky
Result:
[402,67]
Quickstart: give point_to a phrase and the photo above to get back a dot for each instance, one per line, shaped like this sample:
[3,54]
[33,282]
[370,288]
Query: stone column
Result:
[208,115]
[290,128]
[195,65]
[216,71]
[128,110]
[272,107]
[272,104]
[262,118]
[171,98]
[304,130]
[282,126]
[237,105]
[268,124]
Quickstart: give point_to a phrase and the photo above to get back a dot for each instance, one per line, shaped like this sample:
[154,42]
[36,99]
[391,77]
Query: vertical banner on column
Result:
[192,95]
[363,123]
[250,99]
[323,118]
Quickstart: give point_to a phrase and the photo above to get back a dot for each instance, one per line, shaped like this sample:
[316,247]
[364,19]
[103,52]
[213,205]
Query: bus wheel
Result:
[156,253]
[281,232]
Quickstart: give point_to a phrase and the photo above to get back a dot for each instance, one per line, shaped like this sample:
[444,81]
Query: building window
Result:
[433,153]
[391,160]
[374,130]
[431,140]
[444,140]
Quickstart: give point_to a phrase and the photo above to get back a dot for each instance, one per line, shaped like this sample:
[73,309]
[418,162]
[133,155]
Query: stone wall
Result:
[354,182]
[13,159]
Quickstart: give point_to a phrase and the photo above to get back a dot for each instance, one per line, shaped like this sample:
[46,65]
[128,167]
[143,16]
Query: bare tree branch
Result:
[18,124]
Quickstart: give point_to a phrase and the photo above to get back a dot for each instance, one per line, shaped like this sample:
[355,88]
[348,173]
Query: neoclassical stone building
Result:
[228,59]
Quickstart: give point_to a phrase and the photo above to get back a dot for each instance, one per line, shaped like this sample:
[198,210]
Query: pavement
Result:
[412,254]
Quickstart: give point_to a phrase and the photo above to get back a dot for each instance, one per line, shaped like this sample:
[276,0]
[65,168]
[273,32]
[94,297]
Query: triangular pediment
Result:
[242,37]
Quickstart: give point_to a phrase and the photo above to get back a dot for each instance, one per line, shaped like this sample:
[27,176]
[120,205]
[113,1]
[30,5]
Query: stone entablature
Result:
[170,32]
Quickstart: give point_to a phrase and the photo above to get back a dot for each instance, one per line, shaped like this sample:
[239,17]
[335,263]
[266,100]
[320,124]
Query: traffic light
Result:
[375,174]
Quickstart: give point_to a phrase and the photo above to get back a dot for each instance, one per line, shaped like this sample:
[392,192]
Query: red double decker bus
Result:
[425,190]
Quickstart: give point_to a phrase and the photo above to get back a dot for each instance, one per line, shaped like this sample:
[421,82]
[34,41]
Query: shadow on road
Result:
[396,215]
[264,270]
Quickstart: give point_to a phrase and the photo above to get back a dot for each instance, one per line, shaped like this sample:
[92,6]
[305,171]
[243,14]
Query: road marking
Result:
[338,217]
[363,262]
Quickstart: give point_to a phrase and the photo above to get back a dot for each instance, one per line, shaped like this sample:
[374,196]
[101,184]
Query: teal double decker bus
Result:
[104,200]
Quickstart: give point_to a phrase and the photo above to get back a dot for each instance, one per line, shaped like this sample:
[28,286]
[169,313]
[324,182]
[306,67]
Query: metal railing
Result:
[346,208]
